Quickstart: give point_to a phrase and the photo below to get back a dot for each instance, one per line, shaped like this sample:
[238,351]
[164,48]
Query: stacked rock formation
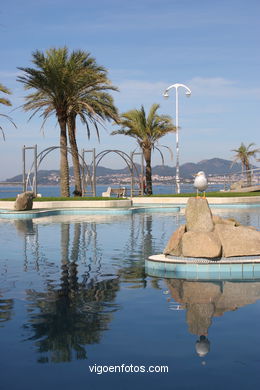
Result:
[210,236]
[24,201]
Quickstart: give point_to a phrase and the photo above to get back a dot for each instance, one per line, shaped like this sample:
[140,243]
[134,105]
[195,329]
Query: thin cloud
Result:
[221,87]
[8,75]
[200,87]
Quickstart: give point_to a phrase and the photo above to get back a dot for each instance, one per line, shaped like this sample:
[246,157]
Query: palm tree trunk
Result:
[248,174]
[65,238]
[75,153]
[64,165]
[148,171]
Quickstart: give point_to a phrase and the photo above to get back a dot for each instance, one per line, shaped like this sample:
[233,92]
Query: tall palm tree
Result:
[244,154]
[91,103]
[52,81]
[64,86]
[147,130]
[5,102]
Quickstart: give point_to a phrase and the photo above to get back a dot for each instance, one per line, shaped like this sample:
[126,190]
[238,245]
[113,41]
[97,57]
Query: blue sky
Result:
[146,45]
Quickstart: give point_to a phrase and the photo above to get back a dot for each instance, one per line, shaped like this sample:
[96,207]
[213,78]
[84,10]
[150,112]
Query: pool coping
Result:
[39,213]
[234,268]
[67,204]
[211,200]
[131,202]
[161,258]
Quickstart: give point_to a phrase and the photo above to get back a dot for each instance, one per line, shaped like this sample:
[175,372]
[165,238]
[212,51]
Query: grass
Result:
[216,194]
[184,195]
[60,198]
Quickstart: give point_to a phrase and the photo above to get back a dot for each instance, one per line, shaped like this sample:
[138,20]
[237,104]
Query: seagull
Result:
[200,183]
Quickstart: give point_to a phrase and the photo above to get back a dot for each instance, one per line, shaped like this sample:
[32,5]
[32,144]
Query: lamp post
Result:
[166,95]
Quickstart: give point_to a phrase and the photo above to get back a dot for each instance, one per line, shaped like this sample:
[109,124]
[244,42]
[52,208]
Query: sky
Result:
[146,45]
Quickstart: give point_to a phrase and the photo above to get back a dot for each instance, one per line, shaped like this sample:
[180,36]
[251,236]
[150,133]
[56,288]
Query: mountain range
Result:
[214,166]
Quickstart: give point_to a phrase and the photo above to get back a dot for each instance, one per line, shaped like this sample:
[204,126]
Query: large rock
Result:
[237,185]
[201,244]
[174,246]
[227,221]
[198,216]
[24,201]
[238,240]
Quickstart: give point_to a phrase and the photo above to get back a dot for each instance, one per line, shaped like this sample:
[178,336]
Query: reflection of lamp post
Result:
[166,95]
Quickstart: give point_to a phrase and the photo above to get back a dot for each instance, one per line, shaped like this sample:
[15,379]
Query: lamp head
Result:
[188,93]
[166,95]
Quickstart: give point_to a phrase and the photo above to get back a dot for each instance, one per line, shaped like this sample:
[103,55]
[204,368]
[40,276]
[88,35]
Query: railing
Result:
[11,184]
[236,181]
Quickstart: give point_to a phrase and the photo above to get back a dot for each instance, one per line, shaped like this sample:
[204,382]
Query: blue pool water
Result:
[74,294]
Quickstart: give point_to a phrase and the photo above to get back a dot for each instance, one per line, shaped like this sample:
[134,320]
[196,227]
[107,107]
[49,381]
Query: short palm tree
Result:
[5,102]
[244,154]
[147,130]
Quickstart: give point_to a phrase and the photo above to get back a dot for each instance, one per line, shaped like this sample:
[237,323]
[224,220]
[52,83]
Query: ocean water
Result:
[75,299]
[7,192]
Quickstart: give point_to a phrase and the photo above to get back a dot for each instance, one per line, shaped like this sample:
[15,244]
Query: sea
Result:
[54,191]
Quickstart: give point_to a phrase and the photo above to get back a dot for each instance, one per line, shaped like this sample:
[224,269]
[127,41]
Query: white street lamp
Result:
[166,95]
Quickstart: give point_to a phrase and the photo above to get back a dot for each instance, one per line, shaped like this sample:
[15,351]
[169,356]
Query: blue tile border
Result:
[114,211]
[199,271]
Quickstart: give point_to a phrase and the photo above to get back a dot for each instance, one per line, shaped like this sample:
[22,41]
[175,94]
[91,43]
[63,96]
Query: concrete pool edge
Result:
[132,202]
[32,214]
[9,205]
[235,268]
[183,200]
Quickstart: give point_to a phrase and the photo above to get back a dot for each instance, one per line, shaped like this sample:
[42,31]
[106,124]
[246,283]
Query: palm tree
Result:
[52,81]
[91,103]
[147,130]
[5,102]
[67,85]
[244,154]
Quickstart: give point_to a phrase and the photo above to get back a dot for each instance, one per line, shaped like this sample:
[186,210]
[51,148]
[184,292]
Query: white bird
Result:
[201,183]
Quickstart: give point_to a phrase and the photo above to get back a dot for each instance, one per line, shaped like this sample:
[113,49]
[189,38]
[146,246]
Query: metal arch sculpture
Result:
[39,157]
[129,162]
[38,160]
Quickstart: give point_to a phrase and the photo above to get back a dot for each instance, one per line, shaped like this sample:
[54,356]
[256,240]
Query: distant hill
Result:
[214,166]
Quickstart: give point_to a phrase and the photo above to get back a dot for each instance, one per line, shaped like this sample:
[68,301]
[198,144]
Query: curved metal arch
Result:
[40,156]
[122,154]
[51,148]
[126,157]
[128,160]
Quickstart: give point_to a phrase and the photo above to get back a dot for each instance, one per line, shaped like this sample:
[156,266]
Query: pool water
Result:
[74,294]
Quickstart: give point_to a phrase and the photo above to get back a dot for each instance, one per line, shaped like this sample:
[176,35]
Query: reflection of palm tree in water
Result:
[29,231]
[138,247]
[64,320]
[142,243]
[6,308]
[205,300]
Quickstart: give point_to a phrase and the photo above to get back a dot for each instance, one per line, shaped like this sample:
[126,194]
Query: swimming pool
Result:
[74,294]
